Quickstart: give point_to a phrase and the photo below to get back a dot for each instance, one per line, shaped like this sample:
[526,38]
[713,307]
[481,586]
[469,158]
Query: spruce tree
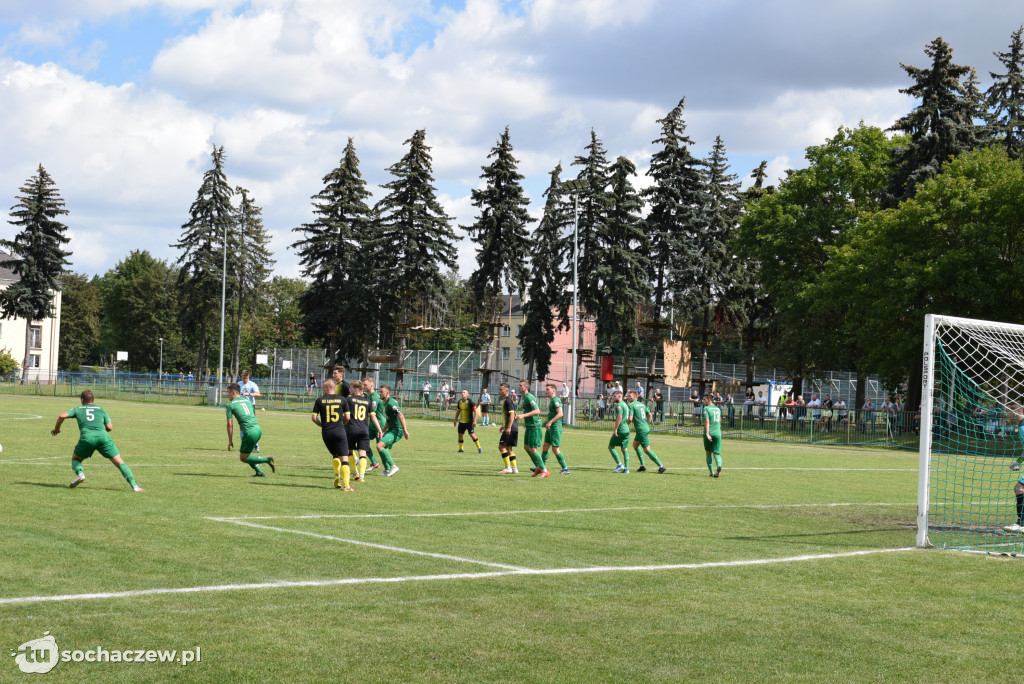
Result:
[1006,98]
[36,256]
[329,254]
[211,217]
[549,246]
[677,204]
[251,265]
[941,127]
[415,233]
[621,271]
[500,233]
[593,203]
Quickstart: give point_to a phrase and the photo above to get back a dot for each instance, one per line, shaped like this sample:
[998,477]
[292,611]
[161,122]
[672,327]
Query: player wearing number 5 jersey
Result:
[242,410]
[93,427]
[329,413]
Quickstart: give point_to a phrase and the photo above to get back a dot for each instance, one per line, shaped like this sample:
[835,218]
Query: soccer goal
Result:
[973,392]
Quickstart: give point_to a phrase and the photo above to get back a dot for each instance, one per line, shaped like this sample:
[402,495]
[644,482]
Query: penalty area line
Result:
[383,547]
[288,584]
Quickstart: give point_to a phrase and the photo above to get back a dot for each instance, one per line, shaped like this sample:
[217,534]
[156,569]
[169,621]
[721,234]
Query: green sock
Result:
[615,456]
[385,457]
[639,454]
[718,460]
[711,460]
[254,460]
[544,457]
[561,459]
[76,465]
[127,472]
[537,460]
[654,457]
[369,455]
[625,458]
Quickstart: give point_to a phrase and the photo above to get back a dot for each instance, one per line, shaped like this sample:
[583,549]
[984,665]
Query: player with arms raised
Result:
[93,427]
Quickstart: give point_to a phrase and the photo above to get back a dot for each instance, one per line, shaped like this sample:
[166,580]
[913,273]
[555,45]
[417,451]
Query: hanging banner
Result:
[677,363]
[607,368]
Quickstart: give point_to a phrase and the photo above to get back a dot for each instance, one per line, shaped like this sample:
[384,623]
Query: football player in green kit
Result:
[529,412]
[376,418]
[553,431]
[396,429]
[712,436]
[241,409]
[93,426]
[639,416]
[620,436]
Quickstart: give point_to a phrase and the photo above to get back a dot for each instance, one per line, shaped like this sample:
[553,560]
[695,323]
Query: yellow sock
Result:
[504,457]
[345,473]
[460,446]
[477,442]
[337,467]
[362,467]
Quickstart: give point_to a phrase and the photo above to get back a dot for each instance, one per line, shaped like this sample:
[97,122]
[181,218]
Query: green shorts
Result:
[714,445]
[553,436]
[643,439]
[531,437]
[390,437]
[100,443]
[250,440]
[619,439]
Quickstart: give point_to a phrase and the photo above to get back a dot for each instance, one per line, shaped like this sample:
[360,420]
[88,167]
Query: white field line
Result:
[370,544]
[553,510]
[284,584]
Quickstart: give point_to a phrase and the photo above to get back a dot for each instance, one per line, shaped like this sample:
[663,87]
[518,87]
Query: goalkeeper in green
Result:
[1018,489]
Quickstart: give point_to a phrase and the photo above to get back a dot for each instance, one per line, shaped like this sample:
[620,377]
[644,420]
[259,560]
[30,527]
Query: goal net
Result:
[973,391]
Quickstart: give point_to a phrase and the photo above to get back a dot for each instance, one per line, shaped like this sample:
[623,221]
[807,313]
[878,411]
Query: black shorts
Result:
[465,427]
[484,408]
[359,441]
[509,440]
[336,442]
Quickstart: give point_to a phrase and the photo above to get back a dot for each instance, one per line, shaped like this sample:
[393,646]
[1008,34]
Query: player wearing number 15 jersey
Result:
[329,411]
[242,410]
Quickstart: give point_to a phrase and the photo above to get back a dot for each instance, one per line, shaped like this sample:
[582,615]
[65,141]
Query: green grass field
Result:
[793,566]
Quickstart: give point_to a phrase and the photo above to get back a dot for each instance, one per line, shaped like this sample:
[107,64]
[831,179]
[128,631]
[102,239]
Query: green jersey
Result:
[553,407]
[526,404]
[713,415]
[377,406]
[92,420]
[393,412]
[242,410]
[622,410]
[640,415]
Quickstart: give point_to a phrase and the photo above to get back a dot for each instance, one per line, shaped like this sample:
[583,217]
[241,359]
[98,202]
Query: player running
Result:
[465,421]
[248,390]
[249,428]
[553,428]
[396,429]
[529,412]
[329,411]
[357,426]
[712,436]
[640,418]
[620,435]
[93,427]
[509,438]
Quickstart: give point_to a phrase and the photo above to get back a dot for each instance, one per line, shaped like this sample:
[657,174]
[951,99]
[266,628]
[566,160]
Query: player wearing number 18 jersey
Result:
[329,411]
[358,426]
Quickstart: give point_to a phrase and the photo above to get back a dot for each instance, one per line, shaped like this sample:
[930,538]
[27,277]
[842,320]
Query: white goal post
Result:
[971,402]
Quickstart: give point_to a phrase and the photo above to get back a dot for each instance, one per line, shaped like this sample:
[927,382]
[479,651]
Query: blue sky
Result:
[121,100]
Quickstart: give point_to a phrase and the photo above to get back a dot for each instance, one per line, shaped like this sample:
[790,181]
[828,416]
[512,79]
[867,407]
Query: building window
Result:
[519,331]
[505,331]
[519,353]
[35,336]
[33,360]
[505,353]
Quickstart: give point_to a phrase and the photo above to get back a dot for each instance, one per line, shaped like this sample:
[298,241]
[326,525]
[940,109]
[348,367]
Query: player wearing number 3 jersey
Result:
[93,427]
[242,410]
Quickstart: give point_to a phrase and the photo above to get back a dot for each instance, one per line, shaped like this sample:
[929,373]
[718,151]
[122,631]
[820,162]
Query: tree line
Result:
[833,268]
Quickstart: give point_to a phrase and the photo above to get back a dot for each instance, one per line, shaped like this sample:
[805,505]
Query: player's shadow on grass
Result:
[265,483]
[44,484]
[208,475]
[812,535]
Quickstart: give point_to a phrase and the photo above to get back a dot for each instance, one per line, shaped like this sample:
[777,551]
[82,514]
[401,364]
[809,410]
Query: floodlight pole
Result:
[160,373]
[575,186]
